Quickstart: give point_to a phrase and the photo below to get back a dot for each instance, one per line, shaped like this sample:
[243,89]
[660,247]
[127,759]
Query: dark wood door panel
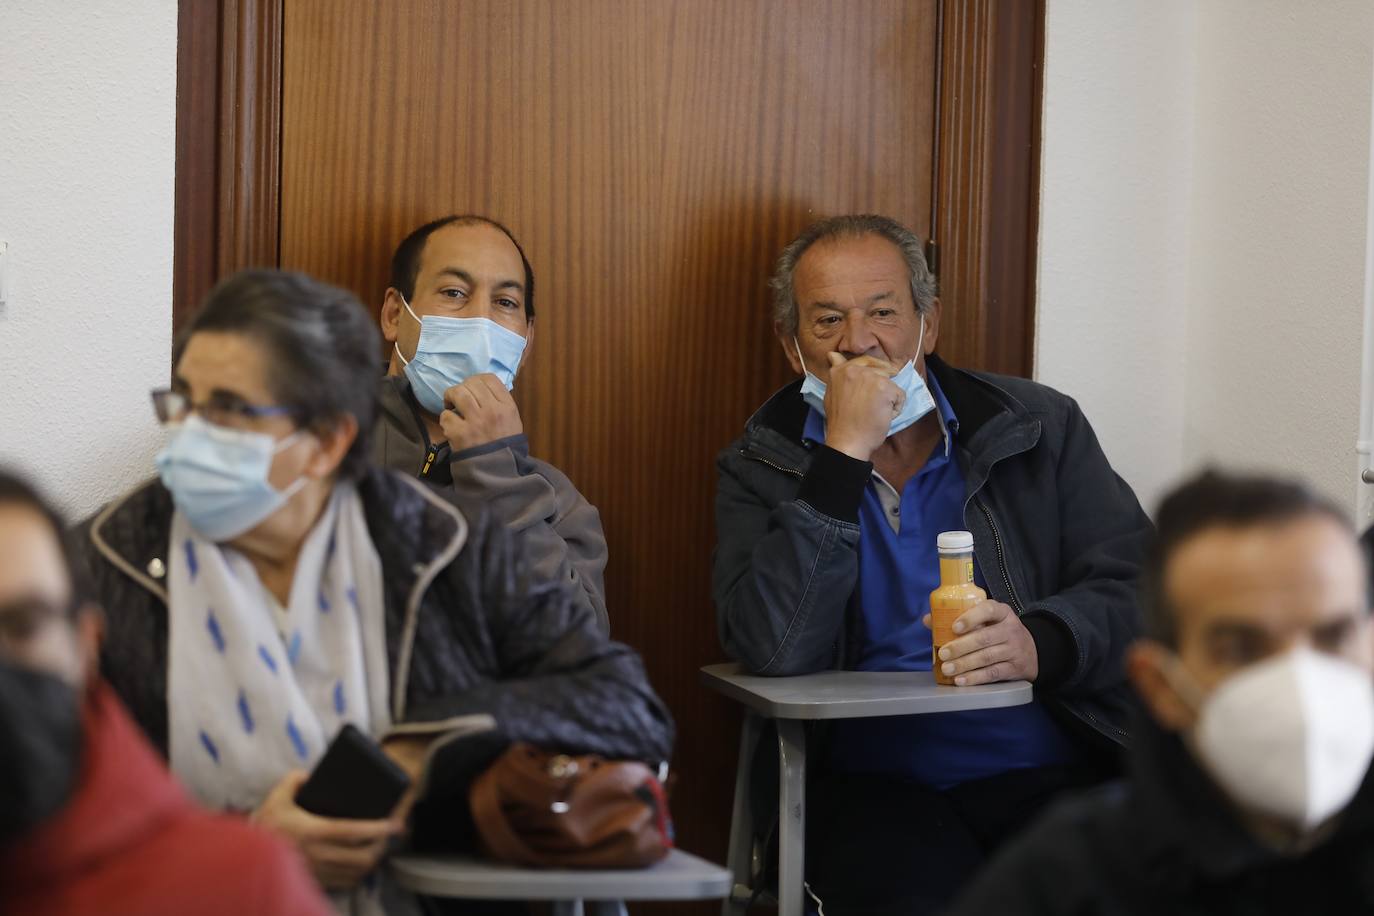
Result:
[653,157]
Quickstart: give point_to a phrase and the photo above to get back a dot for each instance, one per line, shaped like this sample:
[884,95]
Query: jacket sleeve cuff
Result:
[1055,650]
[441,819]
[516,443]
[834,485]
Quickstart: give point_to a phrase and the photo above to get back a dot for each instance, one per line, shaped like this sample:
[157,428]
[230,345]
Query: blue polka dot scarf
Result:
[256,689]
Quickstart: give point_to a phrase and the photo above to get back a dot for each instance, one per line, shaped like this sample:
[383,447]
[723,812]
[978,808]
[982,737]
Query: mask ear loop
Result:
[396,344]
[920,343]
[796,344]
[1183,682]
[282,445]
[286,442]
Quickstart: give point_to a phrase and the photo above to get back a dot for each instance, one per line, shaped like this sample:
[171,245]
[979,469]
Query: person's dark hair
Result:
[322,347]
[1214,499]
[405,263]
[17,491]
[923,285]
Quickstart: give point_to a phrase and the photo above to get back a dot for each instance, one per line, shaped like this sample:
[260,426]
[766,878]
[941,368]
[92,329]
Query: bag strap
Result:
[501,841]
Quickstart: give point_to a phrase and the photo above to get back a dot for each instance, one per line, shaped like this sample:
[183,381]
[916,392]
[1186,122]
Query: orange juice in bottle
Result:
[956,593]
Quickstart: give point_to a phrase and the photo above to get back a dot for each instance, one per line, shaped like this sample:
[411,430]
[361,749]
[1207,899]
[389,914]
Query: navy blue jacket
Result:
[1059,537]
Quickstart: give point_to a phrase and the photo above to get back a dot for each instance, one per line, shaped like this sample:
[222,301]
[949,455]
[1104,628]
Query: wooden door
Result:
[653,157]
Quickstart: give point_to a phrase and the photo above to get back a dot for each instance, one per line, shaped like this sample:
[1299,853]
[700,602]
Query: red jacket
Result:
[130,843]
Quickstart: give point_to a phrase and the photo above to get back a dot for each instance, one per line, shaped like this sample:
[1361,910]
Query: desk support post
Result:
[741,856]
[792,808]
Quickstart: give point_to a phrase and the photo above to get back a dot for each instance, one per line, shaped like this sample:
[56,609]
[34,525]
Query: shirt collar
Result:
[949,423]
[814,428]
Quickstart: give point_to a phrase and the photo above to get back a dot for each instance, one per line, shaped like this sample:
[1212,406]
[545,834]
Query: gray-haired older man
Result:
[828,511]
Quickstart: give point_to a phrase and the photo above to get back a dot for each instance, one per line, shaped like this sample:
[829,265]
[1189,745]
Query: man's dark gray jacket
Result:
[1058,536]
[560,530]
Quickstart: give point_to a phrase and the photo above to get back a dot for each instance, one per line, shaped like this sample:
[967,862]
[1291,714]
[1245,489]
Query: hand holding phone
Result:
[340,851]
[355,779]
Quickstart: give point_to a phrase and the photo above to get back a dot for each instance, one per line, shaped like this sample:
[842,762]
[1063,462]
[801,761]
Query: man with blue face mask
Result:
[1249,788]
[829,509]
[459,316]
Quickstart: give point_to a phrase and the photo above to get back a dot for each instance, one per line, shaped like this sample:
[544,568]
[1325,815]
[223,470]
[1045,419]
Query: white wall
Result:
[1116,177]
[1203,226]
[1277,288]
[87,130]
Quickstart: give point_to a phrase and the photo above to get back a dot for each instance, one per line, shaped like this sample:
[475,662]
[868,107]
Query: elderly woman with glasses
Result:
[271,587]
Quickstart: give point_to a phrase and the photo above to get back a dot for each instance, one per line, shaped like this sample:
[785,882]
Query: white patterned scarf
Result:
[253,693]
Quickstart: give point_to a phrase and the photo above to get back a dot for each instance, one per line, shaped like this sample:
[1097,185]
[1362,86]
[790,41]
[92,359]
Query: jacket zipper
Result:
[1101,728]
[777,467]
[1001,559]
[1092,721]
[430,454]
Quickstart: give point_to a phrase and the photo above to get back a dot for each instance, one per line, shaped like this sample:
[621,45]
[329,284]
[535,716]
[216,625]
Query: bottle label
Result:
[956,571]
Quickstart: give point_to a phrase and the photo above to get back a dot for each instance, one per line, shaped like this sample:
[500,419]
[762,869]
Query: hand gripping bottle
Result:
[956,593]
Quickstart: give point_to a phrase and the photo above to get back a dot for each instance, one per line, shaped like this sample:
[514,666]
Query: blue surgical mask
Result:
[919,401]
[218,477]
[452,350]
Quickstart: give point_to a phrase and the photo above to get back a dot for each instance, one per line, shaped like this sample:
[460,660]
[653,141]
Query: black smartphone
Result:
[354,779]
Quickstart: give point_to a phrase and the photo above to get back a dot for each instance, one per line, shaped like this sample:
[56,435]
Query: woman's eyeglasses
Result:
[173,407]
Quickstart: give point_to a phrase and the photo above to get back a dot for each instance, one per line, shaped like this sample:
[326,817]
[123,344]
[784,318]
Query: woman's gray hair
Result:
[323,348]
[923,285]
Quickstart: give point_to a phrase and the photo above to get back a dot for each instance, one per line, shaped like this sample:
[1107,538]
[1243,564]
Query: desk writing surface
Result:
[680,876]
[856,694]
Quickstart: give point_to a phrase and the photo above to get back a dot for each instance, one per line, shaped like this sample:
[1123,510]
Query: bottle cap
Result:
[955,541]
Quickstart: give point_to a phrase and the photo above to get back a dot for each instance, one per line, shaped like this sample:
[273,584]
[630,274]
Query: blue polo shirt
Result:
[898,569]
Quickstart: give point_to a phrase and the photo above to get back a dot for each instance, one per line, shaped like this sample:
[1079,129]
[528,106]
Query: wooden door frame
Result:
[987,180]
[228,144]
[986,187]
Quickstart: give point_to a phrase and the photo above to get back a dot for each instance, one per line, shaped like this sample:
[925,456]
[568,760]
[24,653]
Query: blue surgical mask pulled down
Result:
[452,350]
[919,401]
[218,477]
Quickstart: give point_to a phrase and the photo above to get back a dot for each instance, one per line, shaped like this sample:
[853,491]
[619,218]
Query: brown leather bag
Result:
[555,811]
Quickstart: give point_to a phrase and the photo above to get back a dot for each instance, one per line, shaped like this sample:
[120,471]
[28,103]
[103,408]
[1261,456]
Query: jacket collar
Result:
[400,412]
[993,423]
[123,797]
[414,525]
[133,533]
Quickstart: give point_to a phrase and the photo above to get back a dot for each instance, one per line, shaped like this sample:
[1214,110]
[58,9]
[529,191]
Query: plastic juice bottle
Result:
[956,593]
